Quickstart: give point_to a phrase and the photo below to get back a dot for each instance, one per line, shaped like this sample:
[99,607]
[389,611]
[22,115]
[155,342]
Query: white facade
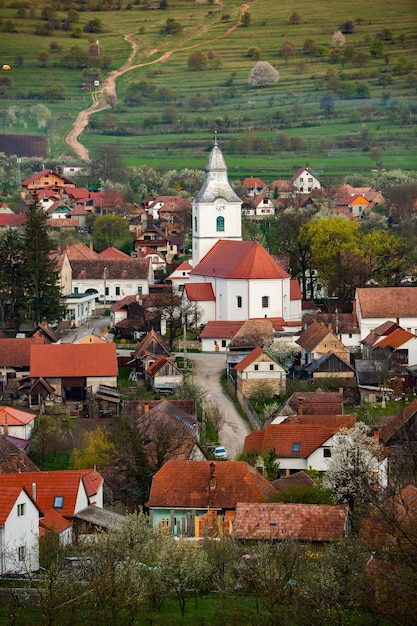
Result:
[305,181]
[80,307]
[19,537]
[22,431]
[106,290]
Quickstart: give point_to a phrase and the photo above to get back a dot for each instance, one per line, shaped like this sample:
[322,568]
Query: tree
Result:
[12,278]
[49,430]
[309,46]
[347,27]
[107,164]
[98,450]
[18,59]
[43,296]
[263,74]
[108,230]
[197,61]
[287,51]
[327,104]
[43,58]
[353,469]
[295,18]
[246,19]
[338,39]
[172,27]
[281,351]
[93,26]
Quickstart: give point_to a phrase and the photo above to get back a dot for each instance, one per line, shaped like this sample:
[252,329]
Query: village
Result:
[310,382]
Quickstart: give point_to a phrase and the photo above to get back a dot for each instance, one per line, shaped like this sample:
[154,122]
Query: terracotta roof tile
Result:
[312,336]
[282,437]
[54,522]
[16,352]
[15,417]
[239,260]
[113,253]
[220,330]
[67,360]
[293,480]
[128,268]
[200,292]
[252,333]
[395,339]
[302,522]
[253,182]
[79,251]
[9,493]
[206,484]
[388,431]
[389,302]
[13,460]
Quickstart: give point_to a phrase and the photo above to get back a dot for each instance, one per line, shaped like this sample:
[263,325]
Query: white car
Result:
[220,453]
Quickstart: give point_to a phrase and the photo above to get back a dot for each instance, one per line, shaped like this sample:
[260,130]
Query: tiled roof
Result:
[45,172]
[253,182]
[105,198]
[9,493]
[78,251]
[16,352]
[185,266]
[295,290]
[254,355]
[302,522]
[15,417]
[113,253]
[166,417]
[220,330]
[11,219]
[64,483]
[398,422]
[159,364]
[395,340]
[239,260]
[293,480]
[198,292]
[328,419]
[78,193]
[389,302]
[54,522]
[206,484]
[13,460]
[316,401]
[67,360]
[282,437]
[116,269]
[302,170]
[380,331]
[252,333]
[312,336]
[281,185]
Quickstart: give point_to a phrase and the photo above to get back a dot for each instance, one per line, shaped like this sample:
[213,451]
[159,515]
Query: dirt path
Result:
[207,369]
[105,96]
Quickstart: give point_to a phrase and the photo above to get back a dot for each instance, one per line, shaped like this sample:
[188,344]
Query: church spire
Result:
[216,182]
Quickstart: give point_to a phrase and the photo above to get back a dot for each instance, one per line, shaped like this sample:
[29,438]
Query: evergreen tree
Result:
[12,273]
[43,296]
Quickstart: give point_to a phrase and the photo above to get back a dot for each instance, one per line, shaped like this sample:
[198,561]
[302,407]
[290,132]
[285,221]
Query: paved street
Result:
[207,369]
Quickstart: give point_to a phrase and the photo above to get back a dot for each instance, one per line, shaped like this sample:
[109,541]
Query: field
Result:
[330,110]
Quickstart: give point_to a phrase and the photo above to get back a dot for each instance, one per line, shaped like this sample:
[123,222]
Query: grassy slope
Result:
[297,95]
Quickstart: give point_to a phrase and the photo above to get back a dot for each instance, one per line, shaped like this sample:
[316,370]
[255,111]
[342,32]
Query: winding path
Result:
[105,96]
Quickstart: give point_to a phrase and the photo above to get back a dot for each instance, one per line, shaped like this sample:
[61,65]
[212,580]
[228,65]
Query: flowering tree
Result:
[338,39]
[353,468]
[263,74]
[281,351]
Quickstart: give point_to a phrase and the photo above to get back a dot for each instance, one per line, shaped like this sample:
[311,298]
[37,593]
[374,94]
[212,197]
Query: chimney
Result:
[376,437]
[146,408]
[212,476]
[300,406]
[34,491]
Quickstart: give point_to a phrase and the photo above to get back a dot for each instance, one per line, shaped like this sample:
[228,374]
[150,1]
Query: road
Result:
[207,369]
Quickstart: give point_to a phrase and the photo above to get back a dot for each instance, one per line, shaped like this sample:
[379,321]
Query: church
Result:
[238,280]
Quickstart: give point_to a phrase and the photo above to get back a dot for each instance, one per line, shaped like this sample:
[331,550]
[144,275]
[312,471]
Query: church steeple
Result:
[216,207]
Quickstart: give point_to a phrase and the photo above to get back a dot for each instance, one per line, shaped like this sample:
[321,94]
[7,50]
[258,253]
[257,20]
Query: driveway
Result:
[207,369]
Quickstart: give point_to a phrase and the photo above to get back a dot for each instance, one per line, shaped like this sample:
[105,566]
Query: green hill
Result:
[342,104]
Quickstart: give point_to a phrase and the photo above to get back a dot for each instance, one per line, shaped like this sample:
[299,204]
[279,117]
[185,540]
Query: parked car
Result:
[220,453]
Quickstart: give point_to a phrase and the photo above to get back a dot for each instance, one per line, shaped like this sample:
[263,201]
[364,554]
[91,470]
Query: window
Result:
[58,502]
[21,509]
[265,302]
[117,291]
[239,302]
[223,343]
[195,224]
[220,224]
[139,290]
[256,367]
[271,367]
[296,447]
[327,453]
[107,291]
[75,289]
[21,551]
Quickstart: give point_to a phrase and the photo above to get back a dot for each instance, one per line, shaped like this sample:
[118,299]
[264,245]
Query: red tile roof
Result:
[327,419]
[80,251]
[312,336]
[64,483]
[117,269]
[16,352]
[158,365]
[220,330]
[394,340]
[13,459]
[113,253]
[67,360]
[282,437]
[15,417]
[302,522]
[389,302]
[10,220]
[388,431]
[45,172]
[9,493]
[54,522]
[253,182]
[239,260]
[254,355]
[198,292]
[206,484]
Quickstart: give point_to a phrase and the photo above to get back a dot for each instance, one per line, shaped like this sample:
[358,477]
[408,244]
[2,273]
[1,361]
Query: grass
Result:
[291,106]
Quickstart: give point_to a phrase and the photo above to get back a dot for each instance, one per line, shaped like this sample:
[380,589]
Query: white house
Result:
[180,276]
[305,181]
[80,307]
[375,305]
[16,423]
[19,529]
[258,367]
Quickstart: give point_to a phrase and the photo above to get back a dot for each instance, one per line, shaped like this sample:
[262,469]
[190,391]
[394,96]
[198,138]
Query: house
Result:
[113,253]
[73,371]
[13,458]
[372,376]
[310,403]
[180,276]
[304,181]
[310,523]
[106,201]
[19,528]
[317,340]
[46,179]
[158,261]
[299,479]
[81,252]
[163,375]
[375,305]
[148,350]
[354,207]
[253,185]
[216,336]
[111,279]
[260,208]
[12,220]
[80,307]
[16,423]
[399,344]
[252,334]
[182,492]
[297,446]
[344,325]
[141,315]
[173,212]
[15,361]
[331,365]
[257,367]
[157,240]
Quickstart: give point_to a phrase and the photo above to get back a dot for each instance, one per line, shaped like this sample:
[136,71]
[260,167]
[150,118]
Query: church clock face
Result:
[220,206]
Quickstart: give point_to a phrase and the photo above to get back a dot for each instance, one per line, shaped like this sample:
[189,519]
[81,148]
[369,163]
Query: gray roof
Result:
[100,517]
[216,183]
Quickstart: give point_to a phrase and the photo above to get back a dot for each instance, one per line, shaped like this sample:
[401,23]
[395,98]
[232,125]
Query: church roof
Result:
[216,183]
[239,260]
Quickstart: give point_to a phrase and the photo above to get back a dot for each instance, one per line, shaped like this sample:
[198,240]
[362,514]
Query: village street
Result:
[207,369]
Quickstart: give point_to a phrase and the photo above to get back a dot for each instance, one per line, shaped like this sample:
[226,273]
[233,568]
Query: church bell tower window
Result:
[220,224]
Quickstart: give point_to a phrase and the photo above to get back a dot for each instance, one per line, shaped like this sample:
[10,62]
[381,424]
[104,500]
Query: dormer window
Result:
[296,447]
[58,502]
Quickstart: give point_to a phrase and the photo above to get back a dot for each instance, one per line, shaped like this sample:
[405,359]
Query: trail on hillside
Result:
[105,96]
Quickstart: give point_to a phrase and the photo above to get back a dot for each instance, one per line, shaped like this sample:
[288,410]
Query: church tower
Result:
[217,209]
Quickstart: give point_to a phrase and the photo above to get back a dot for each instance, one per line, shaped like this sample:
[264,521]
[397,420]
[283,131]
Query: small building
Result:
[16,423]
[163,375]
[317,340]
[80,307]
[258,367]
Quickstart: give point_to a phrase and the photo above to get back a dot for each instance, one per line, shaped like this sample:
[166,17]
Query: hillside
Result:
[342,104]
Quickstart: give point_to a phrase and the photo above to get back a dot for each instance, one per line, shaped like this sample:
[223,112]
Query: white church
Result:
[234,280]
